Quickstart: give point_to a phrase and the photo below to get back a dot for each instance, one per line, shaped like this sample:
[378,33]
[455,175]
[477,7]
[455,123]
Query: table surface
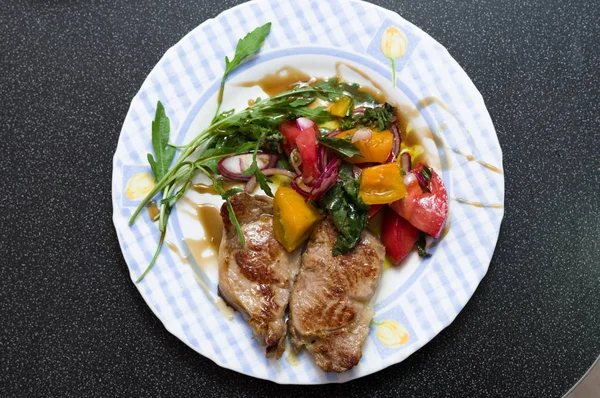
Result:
[73,324]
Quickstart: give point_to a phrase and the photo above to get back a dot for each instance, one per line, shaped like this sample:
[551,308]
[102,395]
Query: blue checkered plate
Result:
[415,301]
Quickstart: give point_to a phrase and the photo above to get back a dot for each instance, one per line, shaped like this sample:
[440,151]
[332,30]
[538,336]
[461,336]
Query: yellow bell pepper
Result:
[330,125]
[340,106]
[382,184]
[293,218]
[374,150]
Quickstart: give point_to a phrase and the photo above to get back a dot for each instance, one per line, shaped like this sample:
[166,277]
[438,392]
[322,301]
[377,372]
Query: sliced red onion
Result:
[298,185]
[251,184]
[334,133]
[232,167]
[396,143]
[326,180]
[323,157]
[363,134]
[357,171]
[304,123]
[359,111]
[406,162]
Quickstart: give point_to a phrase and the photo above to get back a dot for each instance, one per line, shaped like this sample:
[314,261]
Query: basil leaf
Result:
[340,146]
[347,211]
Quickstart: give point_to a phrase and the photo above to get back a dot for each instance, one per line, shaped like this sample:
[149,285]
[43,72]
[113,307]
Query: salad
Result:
[337,148]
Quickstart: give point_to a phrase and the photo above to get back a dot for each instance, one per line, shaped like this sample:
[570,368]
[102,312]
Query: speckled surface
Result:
[73,324]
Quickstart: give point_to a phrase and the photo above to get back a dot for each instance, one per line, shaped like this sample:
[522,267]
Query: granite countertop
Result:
[73,324]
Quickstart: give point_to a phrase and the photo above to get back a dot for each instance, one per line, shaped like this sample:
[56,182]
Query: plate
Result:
[414,302]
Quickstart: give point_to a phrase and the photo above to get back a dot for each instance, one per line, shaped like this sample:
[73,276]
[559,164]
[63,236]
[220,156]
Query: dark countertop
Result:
[73,324]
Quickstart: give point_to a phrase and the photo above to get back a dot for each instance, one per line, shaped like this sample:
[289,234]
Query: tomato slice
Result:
[397,235]
[307,146]
[426,211]
[290,131]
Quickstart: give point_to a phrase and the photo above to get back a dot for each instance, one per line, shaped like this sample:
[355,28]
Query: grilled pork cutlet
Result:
[330,309]
[257,280]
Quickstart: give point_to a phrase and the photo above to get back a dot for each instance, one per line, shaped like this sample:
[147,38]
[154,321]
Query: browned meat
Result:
[330,308]
[257,280]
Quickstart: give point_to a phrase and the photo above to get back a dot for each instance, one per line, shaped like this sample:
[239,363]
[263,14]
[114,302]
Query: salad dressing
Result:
[376,91]
[207,247]
[471,158]
[478,204]
[153,209]
[281,80]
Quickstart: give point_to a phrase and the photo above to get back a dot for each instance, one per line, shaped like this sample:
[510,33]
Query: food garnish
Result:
[341,158]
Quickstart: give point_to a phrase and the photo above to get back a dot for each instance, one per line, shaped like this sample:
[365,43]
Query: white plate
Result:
[415,301]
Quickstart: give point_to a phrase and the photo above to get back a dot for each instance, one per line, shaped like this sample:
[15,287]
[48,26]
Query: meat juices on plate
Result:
[330,309]
[257,280]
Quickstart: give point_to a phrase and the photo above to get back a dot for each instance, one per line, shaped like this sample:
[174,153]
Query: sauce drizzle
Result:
[153,209]
[377,92]
[478,204]
[471,158]
[285,78]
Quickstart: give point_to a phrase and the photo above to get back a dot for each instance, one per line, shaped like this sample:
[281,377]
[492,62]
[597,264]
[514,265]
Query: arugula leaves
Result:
[348,212]
[254,170]
[161,129]
[226,195]
[164,153]
[247,46]
[340,146]
[378,118]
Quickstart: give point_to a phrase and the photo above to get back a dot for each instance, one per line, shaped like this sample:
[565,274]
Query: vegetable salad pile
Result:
[338,149]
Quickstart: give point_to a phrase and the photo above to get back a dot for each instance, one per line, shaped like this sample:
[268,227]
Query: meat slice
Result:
[257,280]
[330,309]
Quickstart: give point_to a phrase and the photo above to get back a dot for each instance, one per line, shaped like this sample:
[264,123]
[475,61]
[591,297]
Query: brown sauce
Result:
[376,91]
[153,209]
[425,102]
[207,247]
[479,204]
[471,158]
[285,78]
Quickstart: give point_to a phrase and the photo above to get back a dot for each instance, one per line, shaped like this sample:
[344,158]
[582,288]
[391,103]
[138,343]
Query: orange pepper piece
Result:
[374,150]
[382,184]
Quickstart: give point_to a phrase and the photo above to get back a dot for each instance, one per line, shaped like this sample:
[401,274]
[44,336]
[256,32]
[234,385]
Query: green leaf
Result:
[230,192]
[160,143]
[340,146]
[347,211]
[377,118]
[247,46]
[300,102]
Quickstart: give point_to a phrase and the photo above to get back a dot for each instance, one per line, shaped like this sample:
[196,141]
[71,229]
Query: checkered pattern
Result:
[187,76]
